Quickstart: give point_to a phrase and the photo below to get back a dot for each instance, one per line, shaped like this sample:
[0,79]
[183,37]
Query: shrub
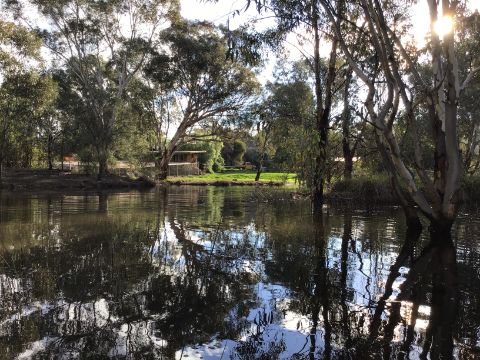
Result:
[471,188]
[369,189]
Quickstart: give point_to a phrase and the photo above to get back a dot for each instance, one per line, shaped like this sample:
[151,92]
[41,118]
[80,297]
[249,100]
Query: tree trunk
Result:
[102,162]
[262,158]
[408,206]
[318,180]
[439,333]
[322,113]
[163,164]
[346,147]
[49,151]
[259,170]
[348,160]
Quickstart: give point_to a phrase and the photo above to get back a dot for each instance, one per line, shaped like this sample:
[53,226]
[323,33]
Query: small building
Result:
[184,163]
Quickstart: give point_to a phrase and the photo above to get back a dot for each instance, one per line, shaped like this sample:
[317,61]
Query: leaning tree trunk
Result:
[259,169]
[408,206]
[163,165]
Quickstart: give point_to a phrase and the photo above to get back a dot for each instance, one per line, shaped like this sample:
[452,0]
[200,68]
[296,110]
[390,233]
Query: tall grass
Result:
[471,189]
[366,188]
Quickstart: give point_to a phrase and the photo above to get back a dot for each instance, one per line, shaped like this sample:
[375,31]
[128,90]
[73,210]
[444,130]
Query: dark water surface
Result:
[229,273]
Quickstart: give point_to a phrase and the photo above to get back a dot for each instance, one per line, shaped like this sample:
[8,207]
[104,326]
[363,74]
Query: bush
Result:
[471,188]
[369,189]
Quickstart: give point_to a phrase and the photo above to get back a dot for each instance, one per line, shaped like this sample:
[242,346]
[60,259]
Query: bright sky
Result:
[223,10]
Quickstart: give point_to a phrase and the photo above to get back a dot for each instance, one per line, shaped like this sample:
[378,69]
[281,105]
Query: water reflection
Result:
[229,273]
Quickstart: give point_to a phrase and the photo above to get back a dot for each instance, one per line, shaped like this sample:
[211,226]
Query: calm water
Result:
[229,273]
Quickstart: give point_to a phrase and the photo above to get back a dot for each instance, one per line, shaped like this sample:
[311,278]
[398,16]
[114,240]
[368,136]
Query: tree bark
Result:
[259,169]
[49,152]
[323,108]
[163,165]
[444,298]
[102,153]
[348,152]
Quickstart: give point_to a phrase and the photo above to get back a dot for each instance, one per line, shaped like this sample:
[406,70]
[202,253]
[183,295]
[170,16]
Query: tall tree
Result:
[18,46]
[208,85]
[439,196]
[26,98]
[104,44]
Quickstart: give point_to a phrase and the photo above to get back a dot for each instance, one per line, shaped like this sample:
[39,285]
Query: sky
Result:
[222,11]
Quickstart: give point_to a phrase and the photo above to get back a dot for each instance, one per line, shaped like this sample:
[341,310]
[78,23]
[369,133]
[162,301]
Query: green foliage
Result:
[17,45]
[471,188]
[239,148]
[102,48]
[368,189]
[26,98]
[212,160]
[290,109]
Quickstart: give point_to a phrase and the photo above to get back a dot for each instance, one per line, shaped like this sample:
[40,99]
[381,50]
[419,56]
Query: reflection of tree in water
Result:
[156,280]
[431,282]
[105,292]
[385,327]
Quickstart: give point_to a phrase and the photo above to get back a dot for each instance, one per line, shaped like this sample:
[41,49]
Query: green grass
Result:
[237,176]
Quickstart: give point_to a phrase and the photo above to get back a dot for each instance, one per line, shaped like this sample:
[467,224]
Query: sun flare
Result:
[443,26]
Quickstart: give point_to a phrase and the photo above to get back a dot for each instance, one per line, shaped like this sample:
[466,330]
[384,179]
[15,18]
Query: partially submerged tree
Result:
[439,196]
[207,85]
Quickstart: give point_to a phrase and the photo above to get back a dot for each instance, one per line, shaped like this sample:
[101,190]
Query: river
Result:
[230,273]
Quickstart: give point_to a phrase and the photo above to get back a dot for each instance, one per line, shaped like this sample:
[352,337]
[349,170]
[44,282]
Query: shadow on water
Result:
[216,273]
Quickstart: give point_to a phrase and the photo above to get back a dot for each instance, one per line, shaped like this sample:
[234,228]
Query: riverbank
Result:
[359,190]
[56,180]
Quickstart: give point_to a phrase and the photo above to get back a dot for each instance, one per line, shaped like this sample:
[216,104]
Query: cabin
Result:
[185,163]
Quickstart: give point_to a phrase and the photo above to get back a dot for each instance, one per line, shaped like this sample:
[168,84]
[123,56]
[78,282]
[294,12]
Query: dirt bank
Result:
[56,180]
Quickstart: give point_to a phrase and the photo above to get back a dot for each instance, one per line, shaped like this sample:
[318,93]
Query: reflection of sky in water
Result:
[273,321]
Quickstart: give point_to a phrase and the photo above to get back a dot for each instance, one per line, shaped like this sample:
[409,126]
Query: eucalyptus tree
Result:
[290,116]
[26,98]
[18,46]
[208,86]
[439,196]
[305,19]
[353,123]
[104,44]
[307,15]
[468,54]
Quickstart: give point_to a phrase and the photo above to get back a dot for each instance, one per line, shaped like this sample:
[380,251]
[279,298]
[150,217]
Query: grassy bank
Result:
[234,177]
